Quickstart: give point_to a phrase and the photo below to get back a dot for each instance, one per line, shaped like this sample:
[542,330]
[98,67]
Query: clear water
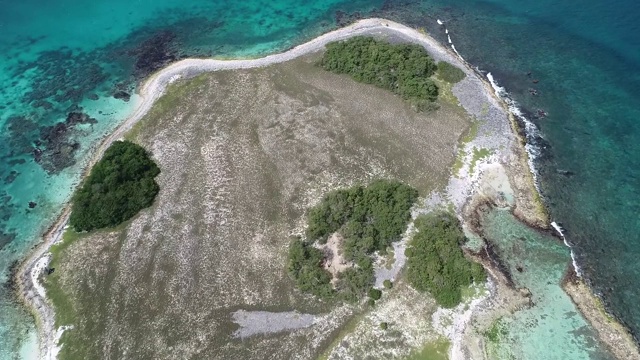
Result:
[552,328]
[585,55]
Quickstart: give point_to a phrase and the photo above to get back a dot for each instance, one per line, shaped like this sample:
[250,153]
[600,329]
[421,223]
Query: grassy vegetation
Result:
[437,350]
[369,219]
[471,134]
[65,312]
[496,331]
[120,184]
[175,94]
[478,154]
[450,73]
[404,69]
[435,261]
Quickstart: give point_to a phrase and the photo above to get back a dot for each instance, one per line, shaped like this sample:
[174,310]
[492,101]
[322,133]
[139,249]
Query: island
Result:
[326,202]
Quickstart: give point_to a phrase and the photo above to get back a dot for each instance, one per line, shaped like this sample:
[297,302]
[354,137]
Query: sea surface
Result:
[62,62]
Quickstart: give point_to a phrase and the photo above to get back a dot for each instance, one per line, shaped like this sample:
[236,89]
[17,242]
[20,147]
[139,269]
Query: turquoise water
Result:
[552,328]
[61,54]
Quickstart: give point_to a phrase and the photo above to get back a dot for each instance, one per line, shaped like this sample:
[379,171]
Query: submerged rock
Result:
[57,150]
[154,53]
[122,95]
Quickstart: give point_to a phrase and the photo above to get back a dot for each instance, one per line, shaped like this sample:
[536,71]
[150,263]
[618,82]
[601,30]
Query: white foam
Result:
[440,22]
[456,51]
[35,274]
[531,131]
[446,31]
[449,38]
[560,231]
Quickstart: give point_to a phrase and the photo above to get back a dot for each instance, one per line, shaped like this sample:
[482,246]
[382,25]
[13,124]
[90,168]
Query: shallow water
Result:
[552,328]
[586,58]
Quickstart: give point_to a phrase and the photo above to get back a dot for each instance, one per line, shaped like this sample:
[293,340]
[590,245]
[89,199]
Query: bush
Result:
[375,294]
[369,219]
[118,187]
[387,284]
[384,325]
[435,261]
[305,267]
[450,73]
[404,69]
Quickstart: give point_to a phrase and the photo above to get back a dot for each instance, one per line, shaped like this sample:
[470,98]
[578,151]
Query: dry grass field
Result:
[243,154]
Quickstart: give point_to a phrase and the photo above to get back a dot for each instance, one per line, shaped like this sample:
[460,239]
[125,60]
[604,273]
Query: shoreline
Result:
[28,272]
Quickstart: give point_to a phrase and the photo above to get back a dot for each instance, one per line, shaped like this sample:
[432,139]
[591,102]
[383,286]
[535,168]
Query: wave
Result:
[560,231]
[532,133]
[533,150]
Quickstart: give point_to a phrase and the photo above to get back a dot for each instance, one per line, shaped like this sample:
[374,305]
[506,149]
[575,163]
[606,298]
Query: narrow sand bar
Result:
[31,269]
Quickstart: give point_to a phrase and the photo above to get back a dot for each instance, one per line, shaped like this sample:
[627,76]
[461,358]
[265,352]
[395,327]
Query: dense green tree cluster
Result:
[369,218]
[305,266]
[435,261]
[120,184]
[405,69]
[450,73]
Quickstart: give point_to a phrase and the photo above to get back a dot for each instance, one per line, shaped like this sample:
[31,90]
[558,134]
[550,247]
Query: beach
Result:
[509,165]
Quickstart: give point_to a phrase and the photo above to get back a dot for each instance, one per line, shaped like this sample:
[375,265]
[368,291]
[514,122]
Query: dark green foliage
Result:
[305,266]
[404,69]
[387,284]
[450,73]
[384,325]
[120,184]
[375,294]
[369,219]
[435,260]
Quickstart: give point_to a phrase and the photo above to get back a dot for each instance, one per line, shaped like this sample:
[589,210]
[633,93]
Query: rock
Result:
[519,268]
[32,204]
[122,95]
[93,96]
[566,173]
[50,270]
[11,177]
[525,292]
[74,118]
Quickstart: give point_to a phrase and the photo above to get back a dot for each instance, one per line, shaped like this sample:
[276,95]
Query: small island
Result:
[326,202]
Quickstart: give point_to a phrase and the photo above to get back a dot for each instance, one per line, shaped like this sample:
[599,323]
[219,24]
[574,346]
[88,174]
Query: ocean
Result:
[63,61]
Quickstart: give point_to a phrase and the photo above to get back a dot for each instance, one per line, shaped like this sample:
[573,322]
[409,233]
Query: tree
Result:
[118,187]
[435,262]
[369,218]
[404,69]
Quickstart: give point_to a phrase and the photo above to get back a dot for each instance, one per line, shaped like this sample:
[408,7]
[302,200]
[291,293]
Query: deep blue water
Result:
[60,55]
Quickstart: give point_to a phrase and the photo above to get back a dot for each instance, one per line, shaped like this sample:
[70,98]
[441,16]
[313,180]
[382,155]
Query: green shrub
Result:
[450,73]
[384,325]
[387,284]
[435,261]
[369,219]
[305,267]
[404,69]
[375,294]
[118,187]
